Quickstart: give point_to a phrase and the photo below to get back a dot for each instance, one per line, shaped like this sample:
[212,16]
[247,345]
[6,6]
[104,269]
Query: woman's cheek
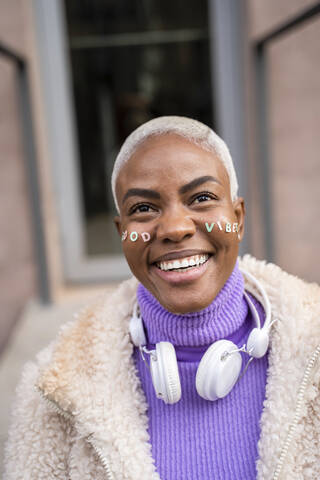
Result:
[134,241]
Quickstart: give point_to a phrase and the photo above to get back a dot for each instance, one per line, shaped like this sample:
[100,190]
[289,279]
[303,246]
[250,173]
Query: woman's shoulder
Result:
[295,303]
[76,336]
[83,344]
[280,280]
[34,427]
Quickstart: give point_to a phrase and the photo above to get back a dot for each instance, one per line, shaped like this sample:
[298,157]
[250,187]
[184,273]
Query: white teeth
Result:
[186,262]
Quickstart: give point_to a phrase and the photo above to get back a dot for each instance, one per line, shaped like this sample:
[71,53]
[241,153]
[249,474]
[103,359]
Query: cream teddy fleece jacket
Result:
[80,411]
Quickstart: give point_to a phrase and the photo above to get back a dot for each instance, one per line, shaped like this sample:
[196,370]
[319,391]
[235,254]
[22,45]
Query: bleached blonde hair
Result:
[193,130]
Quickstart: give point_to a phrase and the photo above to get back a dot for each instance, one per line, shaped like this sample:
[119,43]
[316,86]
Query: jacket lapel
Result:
[92,377]
[293,340]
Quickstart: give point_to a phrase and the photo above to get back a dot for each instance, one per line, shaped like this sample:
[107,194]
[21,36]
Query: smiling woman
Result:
[153,381]
[161,192]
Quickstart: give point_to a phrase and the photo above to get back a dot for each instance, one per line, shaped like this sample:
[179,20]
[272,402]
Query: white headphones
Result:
[220,366]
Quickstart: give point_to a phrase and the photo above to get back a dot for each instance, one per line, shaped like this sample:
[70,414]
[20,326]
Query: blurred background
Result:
[77,76]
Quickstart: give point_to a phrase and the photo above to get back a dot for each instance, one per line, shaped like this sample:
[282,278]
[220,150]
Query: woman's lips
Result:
[181,277]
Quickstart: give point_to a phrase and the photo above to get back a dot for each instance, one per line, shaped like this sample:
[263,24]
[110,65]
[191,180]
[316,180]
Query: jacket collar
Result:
[92,376]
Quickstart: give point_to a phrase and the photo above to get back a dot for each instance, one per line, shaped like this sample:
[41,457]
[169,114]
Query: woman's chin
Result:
[180,306]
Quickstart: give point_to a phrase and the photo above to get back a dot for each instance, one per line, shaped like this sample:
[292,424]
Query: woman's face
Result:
[175,191]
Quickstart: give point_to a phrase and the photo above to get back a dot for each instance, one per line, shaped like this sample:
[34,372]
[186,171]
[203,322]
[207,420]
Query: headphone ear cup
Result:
[165,373]
[136,330]
[258,342]
[216,376]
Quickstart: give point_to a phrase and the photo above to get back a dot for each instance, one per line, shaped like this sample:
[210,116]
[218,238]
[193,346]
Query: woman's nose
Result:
[175,225]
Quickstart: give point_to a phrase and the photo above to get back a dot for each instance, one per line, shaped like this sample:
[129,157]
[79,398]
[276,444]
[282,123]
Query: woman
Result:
[154,381]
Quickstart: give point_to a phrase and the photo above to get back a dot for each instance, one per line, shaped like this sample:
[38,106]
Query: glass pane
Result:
[134,78]
[105,17]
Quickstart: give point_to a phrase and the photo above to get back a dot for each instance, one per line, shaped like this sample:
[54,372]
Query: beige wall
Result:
[17,264]
[293,116]
[18,272]
[267,15]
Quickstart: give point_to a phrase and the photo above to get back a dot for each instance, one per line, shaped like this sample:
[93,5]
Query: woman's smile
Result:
[184,270]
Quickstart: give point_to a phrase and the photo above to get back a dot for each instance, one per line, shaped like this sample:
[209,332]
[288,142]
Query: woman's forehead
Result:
[174,156]
[167,165]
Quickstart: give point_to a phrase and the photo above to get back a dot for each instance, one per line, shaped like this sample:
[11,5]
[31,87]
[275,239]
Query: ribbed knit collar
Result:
[221,319]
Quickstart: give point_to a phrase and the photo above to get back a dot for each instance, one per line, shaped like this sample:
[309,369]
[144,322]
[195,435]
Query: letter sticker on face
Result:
[209,229]
[145,236]
[124,235]
[133,236]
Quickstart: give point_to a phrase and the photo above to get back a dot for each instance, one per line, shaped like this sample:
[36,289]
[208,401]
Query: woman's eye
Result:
[142,208]
[203,197]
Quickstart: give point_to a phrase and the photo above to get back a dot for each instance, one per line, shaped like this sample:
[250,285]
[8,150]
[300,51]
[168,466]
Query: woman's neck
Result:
[223,318]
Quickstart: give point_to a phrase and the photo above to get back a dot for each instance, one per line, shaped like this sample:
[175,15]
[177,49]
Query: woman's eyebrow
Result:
[196,182]
[145,192]
[142,192]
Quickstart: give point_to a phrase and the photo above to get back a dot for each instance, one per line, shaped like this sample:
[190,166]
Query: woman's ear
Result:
[117,222]
[240,212]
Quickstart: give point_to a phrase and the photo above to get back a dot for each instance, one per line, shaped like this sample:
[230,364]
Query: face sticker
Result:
[145,236]
[229,227]
[133,236]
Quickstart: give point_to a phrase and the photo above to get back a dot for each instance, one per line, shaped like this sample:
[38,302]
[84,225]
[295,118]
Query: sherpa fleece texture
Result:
[100,428]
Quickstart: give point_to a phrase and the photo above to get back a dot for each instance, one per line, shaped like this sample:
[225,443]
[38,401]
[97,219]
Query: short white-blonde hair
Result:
[193,130]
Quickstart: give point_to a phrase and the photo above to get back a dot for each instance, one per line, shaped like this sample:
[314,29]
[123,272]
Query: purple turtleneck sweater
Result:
[194,438]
